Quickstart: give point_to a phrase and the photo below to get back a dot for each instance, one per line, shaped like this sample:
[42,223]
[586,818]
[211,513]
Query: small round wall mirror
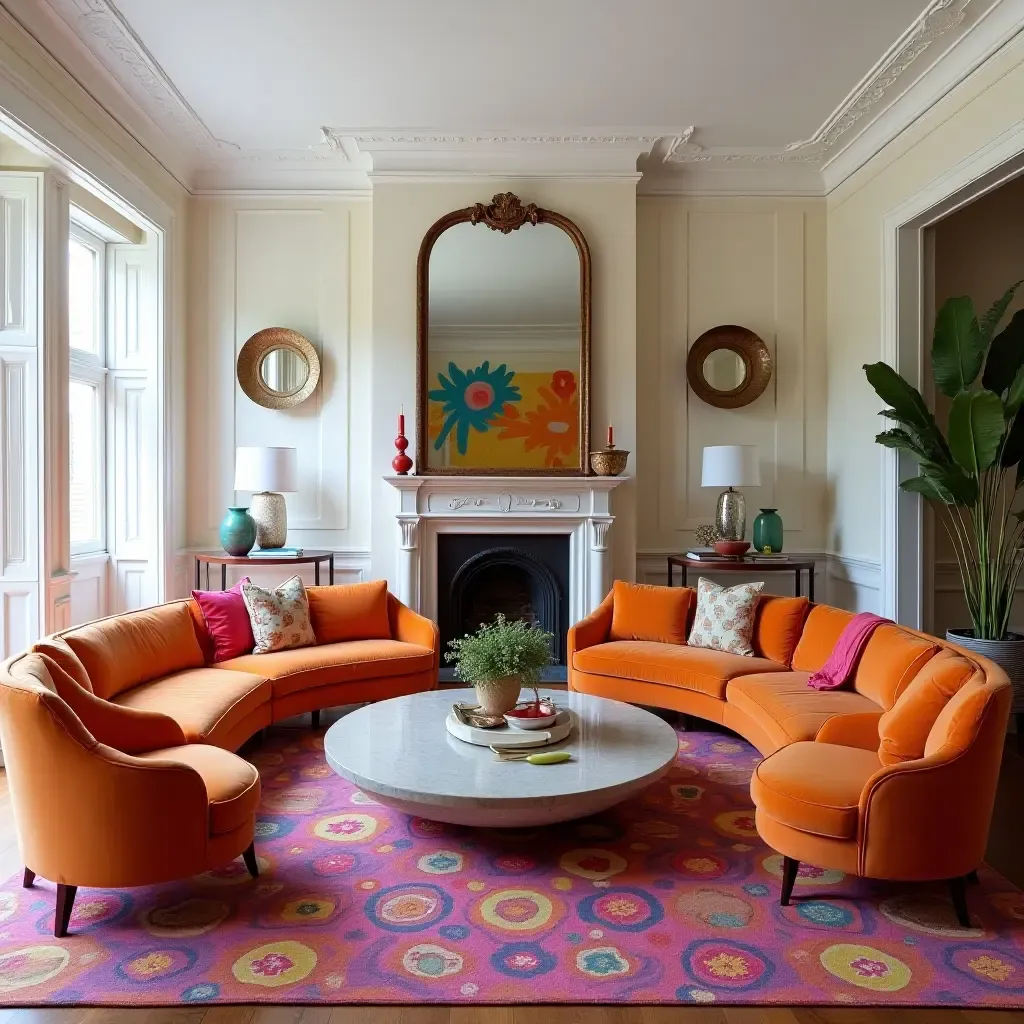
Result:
[728,366]
[278,368]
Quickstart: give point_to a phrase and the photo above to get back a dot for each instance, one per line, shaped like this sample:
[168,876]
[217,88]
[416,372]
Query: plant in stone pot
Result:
[499,659]
[972,473]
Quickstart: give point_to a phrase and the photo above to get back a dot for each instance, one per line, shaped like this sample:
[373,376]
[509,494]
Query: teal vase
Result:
[768,532]
[238,532]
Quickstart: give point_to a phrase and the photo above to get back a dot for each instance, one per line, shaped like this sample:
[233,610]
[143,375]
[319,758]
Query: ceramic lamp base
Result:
[269,510]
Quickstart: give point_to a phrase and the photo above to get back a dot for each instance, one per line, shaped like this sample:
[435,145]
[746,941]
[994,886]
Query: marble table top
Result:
[399,751]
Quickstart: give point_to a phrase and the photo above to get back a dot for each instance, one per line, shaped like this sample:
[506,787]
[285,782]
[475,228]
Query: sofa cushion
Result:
[279,617]
[778,622]
[788,710]
[822,629]
[959,721]
[641,612]
[353,611]
[307,667]
[814,787]
[225,621]
[232,784]
[125,650]
[891,659]
[206,702]
[690,668]
[725,617]
[903,729]
[55,648]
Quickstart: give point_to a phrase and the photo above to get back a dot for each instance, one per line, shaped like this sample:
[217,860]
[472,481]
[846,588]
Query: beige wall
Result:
[302,264]
[759,263]
[979,251]
[965,122]
[402,213]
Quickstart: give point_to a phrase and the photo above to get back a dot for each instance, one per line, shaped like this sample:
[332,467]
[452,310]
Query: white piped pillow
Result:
[280,618]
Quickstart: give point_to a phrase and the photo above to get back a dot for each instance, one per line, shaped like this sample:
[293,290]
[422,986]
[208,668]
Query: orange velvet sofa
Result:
[868,779]
[117,734]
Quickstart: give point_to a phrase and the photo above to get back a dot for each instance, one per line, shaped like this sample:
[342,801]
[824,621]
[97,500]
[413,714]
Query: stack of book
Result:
[711,555]
[275,553]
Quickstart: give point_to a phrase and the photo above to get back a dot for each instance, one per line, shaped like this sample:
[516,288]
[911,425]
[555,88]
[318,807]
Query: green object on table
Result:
[768,532]
[238,531]
[550,757]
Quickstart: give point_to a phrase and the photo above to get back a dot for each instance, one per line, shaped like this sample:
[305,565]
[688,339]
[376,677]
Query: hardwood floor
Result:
[1004,854]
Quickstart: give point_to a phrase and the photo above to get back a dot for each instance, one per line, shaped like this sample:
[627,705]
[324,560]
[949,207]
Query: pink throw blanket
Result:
[838,670]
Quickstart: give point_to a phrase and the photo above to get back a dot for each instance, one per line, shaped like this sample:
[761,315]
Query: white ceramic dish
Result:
[505,736]
[517,722]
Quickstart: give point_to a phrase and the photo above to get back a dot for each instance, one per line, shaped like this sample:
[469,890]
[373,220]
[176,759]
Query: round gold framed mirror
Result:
[728,367]
[278,368]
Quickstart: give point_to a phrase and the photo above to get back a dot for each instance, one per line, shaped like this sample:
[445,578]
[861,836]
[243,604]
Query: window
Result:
[87,391]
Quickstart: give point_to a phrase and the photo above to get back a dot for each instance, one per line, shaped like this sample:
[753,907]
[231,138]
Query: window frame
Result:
[91,368]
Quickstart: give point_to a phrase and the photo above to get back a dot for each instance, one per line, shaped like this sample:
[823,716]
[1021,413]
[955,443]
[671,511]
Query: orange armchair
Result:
[914,806]
[94,808]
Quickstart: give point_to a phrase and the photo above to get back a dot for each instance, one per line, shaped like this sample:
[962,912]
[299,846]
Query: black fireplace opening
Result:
[522,576]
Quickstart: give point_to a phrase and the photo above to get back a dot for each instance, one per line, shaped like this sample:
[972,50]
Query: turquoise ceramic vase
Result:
[768,532]
[238,532]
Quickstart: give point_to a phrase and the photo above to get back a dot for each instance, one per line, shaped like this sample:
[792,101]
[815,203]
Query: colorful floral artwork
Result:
[504,419]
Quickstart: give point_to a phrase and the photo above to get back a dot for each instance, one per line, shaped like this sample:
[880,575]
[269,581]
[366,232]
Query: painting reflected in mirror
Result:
[504,343]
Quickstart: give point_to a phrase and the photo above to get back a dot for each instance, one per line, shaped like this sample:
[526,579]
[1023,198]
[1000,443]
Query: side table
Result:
[223,559]
[745,565]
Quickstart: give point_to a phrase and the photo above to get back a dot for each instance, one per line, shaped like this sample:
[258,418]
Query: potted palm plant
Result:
[972,473]
[499,659]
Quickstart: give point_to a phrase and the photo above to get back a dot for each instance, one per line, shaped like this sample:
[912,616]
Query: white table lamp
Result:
[267,472]
[729,466]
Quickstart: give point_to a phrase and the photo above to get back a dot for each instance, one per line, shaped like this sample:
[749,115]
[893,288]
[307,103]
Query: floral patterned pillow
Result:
[725,617]
[280,618]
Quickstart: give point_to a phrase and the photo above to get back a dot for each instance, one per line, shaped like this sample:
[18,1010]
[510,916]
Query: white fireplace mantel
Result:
[576,506]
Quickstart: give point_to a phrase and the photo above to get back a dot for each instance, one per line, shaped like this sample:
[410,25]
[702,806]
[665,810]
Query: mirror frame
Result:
[757,361]
[252,355]
[505,213]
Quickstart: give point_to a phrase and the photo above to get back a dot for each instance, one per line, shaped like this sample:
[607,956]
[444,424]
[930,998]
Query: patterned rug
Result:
[668,898]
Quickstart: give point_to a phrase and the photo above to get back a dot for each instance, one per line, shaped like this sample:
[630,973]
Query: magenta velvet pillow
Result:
[227,621]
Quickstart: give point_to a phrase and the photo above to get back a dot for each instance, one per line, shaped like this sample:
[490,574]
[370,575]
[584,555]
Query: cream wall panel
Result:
[302,264]
[971,118]
[759,264]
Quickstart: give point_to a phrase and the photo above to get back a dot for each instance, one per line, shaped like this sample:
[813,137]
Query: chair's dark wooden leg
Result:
[790,868]
[958,891]
[30,877]
[972,878]
[315,715]
[65,902]
[250,860]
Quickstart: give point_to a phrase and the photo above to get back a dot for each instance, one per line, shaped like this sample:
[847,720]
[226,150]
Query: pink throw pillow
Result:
[227,621]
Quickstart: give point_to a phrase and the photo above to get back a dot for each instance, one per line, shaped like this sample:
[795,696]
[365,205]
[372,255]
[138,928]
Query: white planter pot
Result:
[1008,654]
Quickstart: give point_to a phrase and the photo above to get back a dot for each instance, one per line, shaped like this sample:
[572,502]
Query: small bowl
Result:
[517,720]
[608,461]
[732,548]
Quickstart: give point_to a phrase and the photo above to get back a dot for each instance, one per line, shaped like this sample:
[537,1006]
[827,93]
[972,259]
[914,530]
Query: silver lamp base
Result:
[270,512]
[730,515]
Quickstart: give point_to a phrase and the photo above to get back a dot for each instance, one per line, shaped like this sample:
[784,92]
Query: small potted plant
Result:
[499,659]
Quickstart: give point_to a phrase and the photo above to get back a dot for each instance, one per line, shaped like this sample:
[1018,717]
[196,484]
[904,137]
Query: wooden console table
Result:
[223,559]
[795,566]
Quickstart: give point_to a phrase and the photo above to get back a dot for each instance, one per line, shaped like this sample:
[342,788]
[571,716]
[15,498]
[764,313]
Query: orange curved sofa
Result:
[868,779]
[118,734]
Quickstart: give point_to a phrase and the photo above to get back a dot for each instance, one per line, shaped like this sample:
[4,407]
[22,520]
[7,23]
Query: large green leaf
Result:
[976,427]
[1005,355]
[994,313]
[946,485]
[1015,395]
[908,408]
[1013,450]
[958,348]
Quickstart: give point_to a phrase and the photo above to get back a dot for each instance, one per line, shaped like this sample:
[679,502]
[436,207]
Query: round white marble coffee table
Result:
[399,752]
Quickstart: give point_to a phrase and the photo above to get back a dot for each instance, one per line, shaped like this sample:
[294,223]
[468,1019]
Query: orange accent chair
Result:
[865,779]
[117,734]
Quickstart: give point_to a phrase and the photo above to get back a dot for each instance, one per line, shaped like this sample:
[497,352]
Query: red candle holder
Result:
[401,463]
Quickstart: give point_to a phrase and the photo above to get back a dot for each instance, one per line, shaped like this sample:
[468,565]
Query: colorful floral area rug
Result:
[670,897]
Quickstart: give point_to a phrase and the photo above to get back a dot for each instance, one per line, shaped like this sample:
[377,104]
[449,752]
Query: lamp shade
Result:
[266,469]
[730,465]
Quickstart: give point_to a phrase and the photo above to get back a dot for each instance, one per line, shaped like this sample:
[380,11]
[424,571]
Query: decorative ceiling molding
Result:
[875,88]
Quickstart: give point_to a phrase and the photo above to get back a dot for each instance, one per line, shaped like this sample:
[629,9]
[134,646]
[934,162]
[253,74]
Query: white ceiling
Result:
[235,92]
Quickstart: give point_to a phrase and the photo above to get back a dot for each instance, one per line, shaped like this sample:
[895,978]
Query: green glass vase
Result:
[238,531]
[768,532]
